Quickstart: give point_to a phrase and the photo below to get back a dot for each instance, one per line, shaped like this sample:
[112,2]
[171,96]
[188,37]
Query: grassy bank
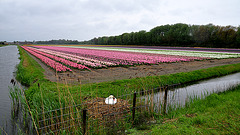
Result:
[31,74]
[2,45]
[28,70]
[216,114]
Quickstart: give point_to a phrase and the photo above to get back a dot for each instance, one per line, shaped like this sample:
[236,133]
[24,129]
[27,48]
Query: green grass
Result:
[28,70]
[216,114]
[2,45]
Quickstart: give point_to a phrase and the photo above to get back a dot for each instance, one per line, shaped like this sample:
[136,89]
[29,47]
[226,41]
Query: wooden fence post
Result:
[134,105]
[84,126]
[165,101]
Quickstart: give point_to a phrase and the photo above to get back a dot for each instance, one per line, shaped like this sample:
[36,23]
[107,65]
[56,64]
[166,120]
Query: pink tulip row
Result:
[82,60]
[78,58]
[64,61]
[94,58]
[121,58]
[55,65]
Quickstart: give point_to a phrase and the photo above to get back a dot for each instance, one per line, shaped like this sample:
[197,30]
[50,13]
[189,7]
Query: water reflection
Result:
[8,61]
[179,96]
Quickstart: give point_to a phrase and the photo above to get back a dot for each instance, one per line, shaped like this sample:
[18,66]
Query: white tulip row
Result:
[207,54]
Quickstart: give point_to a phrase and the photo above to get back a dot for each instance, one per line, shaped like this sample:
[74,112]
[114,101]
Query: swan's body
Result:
[111,100]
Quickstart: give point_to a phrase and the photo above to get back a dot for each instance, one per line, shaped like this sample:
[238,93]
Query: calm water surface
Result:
[179,96]
[8,61]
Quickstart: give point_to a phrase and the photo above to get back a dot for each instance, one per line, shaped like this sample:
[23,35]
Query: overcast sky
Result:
[85,19]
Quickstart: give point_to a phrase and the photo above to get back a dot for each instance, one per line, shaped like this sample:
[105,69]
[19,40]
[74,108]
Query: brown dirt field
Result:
[119,73]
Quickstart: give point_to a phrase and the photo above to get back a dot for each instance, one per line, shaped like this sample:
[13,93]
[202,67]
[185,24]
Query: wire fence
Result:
[94,116]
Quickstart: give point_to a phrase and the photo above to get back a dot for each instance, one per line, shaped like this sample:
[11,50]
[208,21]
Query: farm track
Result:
[119,73]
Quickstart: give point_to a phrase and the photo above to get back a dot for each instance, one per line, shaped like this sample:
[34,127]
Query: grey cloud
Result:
[85,19]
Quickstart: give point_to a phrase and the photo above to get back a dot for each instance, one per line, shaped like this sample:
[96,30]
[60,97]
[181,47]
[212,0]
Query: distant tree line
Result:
[3,43]
[177,35]
[60,41]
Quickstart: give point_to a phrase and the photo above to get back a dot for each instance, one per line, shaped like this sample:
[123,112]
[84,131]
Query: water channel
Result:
[9,59]
[181,94]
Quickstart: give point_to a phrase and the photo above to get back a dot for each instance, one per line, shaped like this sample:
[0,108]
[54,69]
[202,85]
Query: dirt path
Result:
[118,73]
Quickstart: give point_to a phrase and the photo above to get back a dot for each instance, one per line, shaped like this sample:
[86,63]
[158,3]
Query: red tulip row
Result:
[53,64]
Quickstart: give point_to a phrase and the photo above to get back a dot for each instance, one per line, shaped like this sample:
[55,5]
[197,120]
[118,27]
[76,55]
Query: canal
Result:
[179,95]
[11,122]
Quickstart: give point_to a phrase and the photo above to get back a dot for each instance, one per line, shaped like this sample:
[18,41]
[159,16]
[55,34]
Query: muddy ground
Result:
[118,73]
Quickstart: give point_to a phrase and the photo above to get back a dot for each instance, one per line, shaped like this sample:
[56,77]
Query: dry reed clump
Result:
[98,109]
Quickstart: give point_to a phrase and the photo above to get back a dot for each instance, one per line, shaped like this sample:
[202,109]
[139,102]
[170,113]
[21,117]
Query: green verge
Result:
[2,45]
[28,70]
[48,95]
[216,114]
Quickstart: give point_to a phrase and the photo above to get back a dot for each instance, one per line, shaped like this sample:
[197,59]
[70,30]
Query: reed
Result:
[15,94]
[217,113]
[2,131]
[71,117]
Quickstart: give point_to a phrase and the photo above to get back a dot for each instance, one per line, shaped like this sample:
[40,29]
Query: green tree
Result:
[237,41]
[159,35]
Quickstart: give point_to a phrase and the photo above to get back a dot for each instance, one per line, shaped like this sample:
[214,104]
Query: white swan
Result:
[111,100]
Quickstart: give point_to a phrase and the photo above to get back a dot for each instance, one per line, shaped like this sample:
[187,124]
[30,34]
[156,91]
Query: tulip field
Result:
[66,58]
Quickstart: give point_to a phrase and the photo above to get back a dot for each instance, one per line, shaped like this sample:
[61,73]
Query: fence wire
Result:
[102,118]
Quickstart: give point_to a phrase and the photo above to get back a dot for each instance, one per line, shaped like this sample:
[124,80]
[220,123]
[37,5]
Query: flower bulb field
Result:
[108,63]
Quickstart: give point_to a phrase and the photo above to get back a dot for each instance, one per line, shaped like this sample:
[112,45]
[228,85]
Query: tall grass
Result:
[218,113]
[15,94]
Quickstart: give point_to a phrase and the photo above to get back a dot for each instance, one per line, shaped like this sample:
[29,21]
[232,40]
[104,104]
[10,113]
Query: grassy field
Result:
[216,114]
